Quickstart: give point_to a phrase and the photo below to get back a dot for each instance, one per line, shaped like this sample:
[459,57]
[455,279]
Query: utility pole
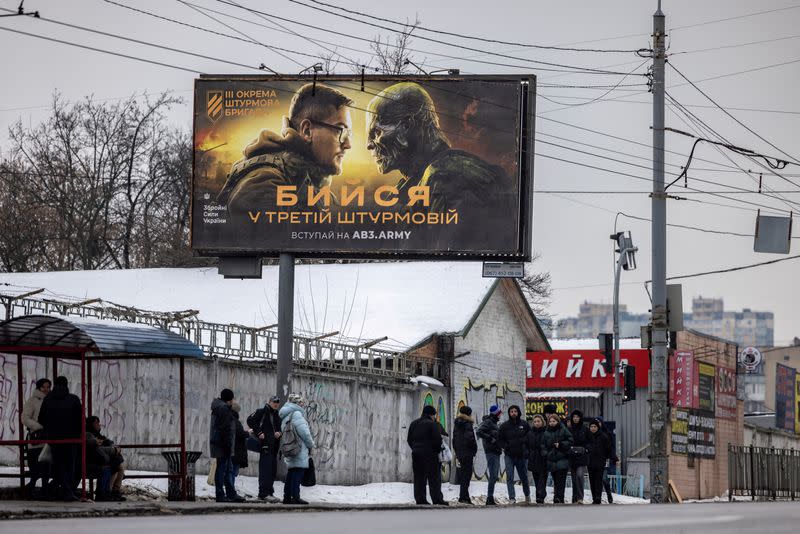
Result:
[285,324]
[659,410]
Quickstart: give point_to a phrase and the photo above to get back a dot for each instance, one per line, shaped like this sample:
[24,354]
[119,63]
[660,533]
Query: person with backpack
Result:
[537,463]
[465,447]
[265,425]
[296,445]
[513,439]
[579,455]
[599,452]
[555,447]
[425,440]
[489,431]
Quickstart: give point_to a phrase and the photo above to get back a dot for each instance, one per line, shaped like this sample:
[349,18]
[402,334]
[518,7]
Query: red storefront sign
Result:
[581,369]
[726,393]
[681,379]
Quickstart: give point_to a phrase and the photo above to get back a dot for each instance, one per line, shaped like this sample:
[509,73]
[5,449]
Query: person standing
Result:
[30,418]
[556,443]
[266,426]
[239,458]
[612,463]
[60,415]
[513,439]
[222,444]
[294,426]
[537,463]
[465,447]
[599,453]
[425,440]
[579,455]
[489,432]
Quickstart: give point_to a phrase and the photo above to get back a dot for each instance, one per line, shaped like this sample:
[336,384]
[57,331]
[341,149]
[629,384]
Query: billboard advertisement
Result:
[581,369]
[726,393]
[785,386]
[704,387]
[372,167]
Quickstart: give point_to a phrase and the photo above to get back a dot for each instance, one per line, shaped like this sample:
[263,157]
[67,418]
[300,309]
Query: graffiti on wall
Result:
[480,397]
[437,400]
[324,414]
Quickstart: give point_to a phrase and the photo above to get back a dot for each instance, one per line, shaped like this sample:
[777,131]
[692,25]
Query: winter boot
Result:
[527,499]
[490,501]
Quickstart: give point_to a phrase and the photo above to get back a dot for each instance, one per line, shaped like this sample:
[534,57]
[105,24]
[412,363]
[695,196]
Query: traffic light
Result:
[629,392]
[606,342]
[625,244]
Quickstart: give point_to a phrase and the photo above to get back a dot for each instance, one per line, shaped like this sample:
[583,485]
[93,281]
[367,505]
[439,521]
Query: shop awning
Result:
[561,393]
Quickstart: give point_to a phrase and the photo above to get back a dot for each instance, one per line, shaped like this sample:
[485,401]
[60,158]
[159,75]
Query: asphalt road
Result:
[707,518]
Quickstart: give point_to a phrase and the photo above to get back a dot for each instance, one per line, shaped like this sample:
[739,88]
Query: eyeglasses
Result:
[345,133]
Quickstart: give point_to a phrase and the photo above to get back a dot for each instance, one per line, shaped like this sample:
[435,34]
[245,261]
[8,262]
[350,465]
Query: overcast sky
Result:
[571,230]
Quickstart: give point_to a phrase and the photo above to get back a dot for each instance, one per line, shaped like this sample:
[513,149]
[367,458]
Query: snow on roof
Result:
[405,301]
[425,380]
[584,344]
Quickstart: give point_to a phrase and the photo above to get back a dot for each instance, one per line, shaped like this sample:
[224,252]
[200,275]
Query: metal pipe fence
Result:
[258,345]
[761,472]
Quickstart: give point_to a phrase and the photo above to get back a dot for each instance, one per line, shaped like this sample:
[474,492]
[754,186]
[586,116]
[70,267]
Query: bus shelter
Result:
[59,338]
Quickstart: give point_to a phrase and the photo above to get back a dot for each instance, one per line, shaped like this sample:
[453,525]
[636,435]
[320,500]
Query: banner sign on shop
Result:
[681,371]
[785,404]
[704,387]
[701,441]
[364,166]
[726,393]
[581,368]
[679,436]
[797,403]
[534,406]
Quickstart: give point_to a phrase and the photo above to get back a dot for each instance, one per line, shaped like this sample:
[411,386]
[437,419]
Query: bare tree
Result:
[392,55]
[537,288]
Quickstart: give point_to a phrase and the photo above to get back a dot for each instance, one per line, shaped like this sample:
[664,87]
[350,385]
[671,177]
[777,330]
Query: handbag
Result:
[253,444]
[577,451]
[212,472]
[46,456]
[445,455]
[309,475]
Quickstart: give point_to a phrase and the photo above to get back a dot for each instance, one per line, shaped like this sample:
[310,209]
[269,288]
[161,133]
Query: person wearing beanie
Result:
[613,462]
[425,440]
[513,439]
[599,446]
[265,424]
[555,446]
[579,455]
[222,442]
[293,414]
[489,432]
[465,447]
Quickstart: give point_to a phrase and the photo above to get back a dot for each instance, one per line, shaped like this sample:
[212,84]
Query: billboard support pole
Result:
[285,324]
[659,410]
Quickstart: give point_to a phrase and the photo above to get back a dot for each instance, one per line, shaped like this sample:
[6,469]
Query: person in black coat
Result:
[556,444]
[239,459]
[579,456]
[266,426]
[465,447]
[599,452]
[537,463]
[513,438]
[612,463]
[61,417]
[425,440]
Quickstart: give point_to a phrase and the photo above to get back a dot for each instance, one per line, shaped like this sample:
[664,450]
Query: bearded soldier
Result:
[308,151]
[403,134]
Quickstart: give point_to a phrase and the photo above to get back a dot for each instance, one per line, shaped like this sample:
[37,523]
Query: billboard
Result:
[704,387]
[797,403]
[363,167]
[580,369]
[785,386]
[726,393]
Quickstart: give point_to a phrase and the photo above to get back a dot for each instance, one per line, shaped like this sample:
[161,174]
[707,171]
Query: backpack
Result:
[254,421]
[290,441]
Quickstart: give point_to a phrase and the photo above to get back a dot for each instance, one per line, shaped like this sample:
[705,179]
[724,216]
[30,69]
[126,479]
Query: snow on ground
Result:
[376,493]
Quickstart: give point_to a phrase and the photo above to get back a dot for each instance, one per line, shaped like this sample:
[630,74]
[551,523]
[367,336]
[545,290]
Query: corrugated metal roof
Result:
[108,338]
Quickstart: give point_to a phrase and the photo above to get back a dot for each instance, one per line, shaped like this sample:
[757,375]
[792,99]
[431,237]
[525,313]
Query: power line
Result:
[726,112]
[438,41]
[731,269]
[726,47]
[755,110]
[648,193]
[472,37]
[748,15]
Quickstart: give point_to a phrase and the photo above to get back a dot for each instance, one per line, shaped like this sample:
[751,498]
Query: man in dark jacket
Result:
[579,457]
[537,463]
[599,453]
[425,440]
[239,458]
[612,463]
[222,441]
[465,447]
[61,415]
[266,425]
[489,432]
[513,438]
[556,443]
